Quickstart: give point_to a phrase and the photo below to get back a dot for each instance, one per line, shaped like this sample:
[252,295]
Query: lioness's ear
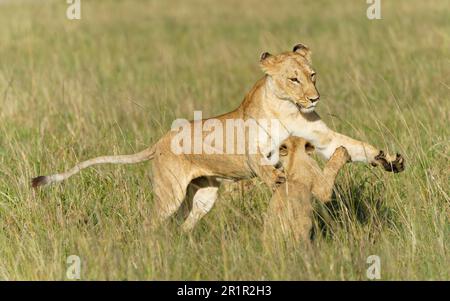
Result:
[304,51]
[267,63]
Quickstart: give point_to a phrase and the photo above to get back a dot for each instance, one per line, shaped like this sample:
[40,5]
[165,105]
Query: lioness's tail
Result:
[144,155]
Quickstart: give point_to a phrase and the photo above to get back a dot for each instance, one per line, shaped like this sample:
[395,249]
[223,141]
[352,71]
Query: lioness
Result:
[286,93]
[290,209]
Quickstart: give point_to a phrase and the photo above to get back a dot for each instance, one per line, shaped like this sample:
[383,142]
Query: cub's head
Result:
[292,77]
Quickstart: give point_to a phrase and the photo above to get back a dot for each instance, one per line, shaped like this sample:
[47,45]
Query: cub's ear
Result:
[309,148]
[304,51]
[267,63]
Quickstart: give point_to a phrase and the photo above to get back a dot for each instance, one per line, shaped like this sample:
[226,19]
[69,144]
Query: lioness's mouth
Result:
[305,109]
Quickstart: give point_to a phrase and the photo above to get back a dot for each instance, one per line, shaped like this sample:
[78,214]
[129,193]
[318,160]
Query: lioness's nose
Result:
[314,98]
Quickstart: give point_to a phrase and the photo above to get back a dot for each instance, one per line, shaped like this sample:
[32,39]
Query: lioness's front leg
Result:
[327,141]
[361,152]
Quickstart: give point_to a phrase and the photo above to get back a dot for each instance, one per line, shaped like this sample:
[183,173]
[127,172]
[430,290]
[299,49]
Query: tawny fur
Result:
[287,93]
[290,210]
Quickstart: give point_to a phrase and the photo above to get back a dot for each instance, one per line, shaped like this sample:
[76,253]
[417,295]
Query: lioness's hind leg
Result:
[201,198]
[169,190]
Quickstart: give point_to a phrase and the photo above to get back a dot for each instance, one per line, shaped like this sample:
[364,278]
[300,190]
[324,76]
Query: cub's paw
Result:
[395,165]
[279,177]
[280,180]
[342,154]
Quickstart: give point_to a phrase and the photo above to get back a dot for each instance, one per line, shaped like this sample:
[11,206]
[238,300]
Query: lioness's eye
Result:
[313,77]
[295,80]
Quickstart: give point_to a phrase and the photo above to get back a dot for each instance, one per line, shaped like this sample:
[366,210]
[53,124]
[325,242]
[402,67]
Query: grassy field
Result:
[114,81]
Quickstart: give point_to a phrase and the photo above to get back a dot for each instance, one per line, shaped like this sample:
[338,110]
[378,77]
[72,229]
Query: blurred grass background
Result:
[114,81]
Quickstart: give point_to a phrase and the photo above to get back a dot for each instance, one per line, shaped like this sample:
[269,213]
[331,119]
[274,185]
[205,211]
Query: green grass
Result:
[114,81]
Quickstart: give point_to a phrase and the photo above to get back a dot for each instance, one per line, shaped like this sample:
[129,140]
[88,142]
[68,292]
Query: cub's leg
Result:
[289,215]
[202,194]
[322,186]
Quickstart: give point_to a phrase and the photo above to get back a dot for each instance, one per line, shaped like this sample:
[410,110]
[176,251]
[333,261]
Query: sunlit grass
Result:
[115,80]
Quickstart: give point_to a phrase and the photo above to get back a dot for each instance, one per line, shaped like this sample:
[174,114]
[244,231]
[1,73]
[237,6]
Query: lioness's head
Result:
[292,77]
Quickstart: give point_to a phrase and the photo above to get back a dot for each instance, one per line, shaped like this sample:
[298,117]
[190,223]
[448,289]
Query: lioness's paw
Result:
[396,165]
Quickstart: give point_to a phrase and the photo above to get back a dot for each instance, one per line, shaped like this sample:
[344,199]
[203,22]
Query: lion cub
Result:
[290,210]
